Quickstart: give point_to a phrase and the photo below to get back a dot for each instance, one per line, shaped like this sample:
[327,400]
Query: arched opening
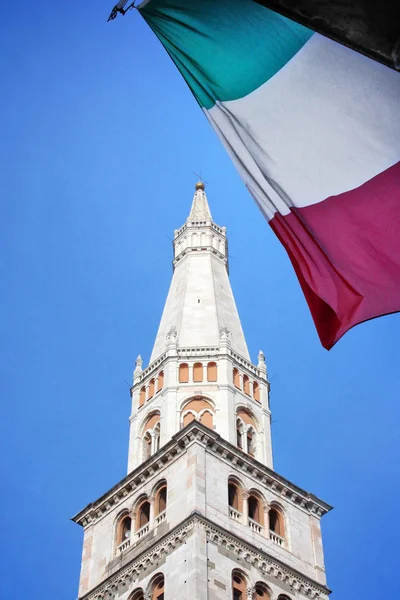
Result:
[236,378]
[283,597]
[212,371]
[276,523]
[142,396]
[238,586]
[156,438]
[256,391]
[184,373]
[254,507]
[137,595]
[158,587]
[160,381]
[151,437]
[188,418]
[246,426]
[161,500]
[151,389]
[261,591]
[143,514]
[233,496]
[246,385]
[123,533]
[206,419]
[197,372]
[198,409]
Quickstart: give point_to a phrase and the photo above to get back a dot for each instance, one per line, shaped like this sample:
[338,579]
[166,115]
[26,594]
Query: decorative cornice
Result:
[258,559]
[216,445]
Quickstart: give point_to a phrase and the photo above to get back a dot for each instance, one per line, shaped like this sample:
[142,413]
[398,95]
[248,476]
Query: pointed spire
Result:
[200,210]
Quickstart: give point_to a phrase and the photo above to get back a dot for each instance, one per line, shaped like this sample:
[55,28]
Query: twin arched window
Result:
[155,590]
[151,435]
[198,409]
[246,436]
[241,590]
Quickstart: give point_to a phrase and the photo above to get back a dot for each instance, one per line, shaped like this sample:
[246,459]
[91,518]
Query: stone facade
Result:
[201,503]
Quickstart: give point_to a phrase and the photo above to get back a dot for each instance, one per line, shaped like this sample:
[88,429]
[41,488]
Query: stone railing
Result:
[124,545]
[254,526]
[235,514]
[277,539]
[142,531]
[160,518]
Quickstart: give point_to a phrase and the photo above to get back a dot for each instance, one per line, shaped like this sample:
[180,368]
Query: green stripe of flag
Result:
[224,49]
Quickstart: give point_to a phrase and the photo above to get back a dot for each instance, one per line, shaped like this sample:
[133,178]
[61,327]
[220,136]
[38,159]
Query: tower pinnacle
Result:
[200,210]
[200,301]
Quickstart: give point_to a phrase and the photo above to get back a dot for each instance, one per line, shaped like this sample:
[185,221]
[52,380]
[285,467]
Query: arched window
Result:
[238,586]
[188,418]
[255,510]
[235,499]
[276,522]
[246,385]
[212,371]
[161,500]
[246,431]
[142,514]
[206,418]
[198,409]
[151,389]
[142,396]
[283,597]
[137,595]
[160,381]
[236,378]
[183,373]
[157,587]
[123,533]
[261,591]
[256,391]
[151,435]
[197,372]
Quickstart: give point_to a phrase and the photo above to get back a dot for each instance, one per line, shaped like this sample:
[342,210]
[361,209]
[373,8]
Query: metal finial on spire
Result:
[200,185]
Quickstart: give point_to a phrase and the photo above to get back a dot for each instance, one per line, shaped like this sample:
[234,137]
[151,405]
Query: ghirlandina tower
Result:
[201,514]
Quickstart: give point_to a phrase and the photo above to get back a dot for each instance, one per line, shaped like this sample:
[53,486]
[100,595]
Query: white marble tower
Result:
[201,514]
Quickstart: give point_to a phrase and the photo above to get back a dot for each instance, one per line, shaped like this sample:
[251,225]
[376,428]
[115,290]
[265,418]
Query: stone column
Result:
[266,508]
[245,497]
[153,443]
[152,501]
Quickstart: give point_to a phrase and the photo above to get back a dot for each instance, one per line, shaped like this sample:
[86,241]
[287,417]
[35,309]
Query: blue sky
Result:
[100,138]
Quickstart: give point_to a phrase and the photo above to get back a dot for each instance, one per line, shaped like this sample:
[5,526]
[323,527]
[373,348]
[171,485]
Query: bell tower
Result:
[201,514]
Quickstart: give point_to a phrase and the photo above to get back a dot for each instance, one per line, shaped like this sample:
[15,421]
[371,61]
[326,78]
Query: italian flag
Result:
[314,131]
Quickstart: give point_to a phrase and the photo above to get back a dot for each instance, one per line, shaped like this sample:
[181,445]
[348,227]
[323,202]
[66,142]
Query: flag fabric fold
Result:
[314,131]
